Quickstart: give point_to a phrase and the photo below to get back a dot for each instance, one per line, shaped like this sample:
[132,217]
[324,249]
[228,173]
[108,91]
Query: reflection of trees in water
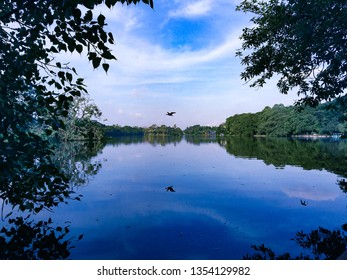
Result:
[329,155]
[148,138]
[74,160]
[343,185]
[155,140]
[33,182]
[320,243]
[125,140]
[161,140]
[26,239]
[36,180]
[198,140]
[309,154]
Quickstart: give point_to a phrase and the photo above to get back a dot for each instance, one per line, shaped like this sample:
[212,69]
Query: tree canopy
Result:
[285,121]
[303,43]
[33,82]
[37,90]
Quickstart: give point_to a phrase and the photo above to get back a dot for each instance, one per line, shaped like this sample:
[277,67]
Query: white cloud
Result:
[125,17]
[151,64]
[192,9]
[137,115]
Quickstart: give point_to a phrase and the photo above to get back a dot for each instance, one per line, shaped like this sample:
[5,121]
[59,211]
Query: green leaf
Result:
[96,62]
[65,113]
[91,55]
[101,20]
[105,66]
[69,77]
[62,47]
[108,55]
[77,13]
[57,85]
[61,75]
[71,45]
[53,49]
[110,38]
[79,48]
[88,16]
[103,36]
[48,132]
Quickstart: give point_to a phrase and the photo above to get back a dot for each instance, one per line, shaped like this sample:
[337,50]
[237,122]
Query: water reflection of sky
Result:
[221,206]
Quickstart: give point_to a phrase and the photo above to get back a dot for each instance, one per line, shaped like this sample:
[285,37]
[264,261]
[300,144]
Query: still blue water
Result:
[222,204]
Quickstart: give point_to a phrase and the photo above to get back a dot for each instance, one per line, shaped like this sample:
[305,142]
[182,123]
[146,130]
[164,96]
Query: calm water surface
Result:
[228,196]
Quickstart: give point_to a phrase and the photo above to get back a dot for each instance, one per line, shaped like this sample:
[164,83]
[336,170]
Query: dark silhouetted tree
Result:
[303,43]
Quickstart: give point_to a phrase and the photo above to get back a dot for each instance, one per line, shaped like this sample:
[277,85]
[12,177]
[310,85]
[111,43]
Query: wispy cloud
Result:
[192,9]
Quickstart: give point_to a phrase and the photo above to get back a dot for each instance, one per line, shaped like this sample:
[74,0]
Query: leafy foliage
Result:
[302,42]
[242,124]
[81,121]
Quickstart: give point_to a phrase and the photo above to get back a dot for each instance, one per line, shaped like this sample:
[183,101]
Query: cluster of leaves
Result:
[287,121]
[302,42]
[321,243]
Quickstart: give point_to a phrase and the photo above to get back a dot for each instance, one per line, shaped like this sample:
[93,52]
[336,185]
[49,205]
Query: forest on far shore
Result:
[278,121]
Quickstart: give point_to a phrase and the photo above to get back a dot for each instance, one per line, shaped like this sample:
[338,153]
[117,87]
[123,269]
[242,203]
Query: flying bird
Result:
[170,113]
[170,189]
[303,202]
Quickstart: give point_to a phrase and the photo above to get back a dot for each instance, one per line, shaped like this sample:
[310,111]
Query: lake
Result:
[229,195]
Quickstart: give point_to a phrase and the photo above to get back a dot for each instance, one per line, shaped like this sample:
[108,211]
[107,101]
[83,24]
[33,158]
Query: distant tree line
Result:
[81,123]
[112,131]
[280,120]
[163,130]
[155,130]
[200,130]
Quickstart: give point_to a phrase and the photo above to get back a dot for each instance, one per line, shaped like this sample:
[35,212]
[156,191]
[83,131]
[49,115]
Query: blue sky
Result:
[180,57]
